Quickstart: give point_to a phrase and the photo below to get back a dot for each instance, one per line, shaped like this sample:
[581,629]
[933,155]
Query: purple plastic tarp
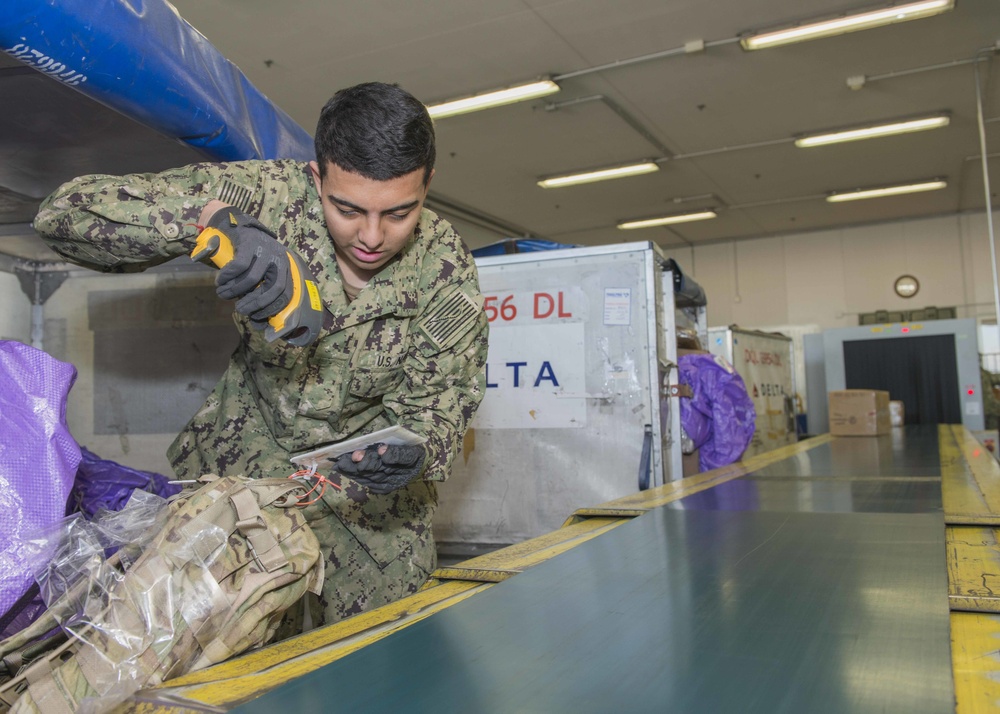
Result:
[720,415]
[102,484]
[38,456]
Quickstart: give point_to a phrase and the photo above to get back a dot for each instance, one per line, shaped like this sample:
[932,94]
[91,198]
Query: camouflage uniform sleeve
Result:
[133,222]
[445,377]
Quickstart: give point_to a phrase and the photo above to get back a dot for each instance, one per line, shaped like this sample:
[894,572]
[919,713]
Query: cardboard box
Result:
[859,412]
[897,415]
[687,339]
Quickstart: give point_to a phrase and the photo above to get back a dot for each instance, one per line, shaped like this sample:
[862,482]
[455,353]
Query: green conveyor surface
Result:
[817,584]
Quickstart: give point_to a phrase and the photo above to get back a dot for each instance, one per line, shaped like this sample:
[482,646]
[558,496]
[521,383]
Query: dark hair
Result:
[377,130]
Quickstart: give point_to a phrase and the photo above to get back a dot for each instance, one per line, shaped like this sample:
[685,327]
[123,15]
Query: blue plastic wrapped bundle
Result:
[720,415]
[38,457]
[144,60]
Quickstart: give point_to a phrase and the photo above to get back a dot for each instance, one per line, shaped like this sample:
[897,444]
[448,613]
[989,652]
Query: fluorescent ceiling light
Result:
[493,99]
[644,167]
[870,132]
[887,191]
[667,220]
[850,23]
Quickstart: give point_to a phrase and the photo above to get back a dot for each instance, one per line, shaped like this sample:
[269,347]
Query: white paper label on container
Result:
[617,306]
[534,378]
[972,409]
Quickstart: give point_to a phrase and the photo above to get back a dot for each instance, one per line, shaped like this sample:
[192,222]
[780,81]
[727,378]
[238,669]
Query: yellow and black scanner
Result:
[300,321]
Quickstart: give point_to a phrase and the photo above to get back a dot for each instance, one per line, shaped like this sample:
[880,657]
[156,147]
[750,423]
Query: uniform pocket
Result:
[375,383]
[377,367]
[324,379]
[273,373]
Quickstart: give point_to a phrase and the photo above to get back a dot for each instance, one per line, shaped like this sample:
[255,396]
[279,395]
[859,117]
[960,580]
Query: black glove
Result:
[259,273]
[383,473]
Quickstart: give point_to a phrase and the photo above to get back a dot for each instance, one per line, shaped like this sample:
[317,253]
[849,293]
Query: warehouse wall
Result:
[15,318]
[475,236]
[148,349]
[826,278]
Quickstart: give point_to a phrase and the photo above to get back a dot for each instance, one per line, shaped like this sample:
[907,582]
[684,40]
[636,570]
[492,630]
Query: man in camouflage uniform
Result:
[404,340]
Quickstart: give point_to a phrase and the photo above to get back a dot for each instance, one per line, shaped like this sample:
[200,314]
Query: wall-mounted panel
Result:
[148,349]
[15,317]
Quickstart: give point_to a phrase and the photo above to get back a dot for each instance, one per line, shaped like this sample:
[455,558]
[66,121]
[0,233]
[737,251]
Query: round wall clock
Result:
[906,286]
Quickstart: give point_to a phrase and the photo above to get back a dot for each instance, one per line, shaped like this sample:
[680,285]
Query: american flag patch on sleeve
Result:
[235,195]
[449,319]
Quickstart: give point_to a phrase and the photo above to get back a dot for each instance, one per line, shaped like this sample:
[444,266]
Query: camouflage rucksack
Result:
[214,582]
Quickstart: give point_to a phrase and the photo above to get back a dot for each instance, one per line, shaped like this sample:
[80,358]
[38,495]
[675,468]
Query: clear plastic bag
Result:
[126,620]
[220,571]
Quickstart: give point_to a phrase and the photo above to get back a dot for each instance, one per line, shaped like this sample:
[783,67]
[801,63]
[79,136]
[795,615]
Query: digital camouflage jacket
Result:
[408,350]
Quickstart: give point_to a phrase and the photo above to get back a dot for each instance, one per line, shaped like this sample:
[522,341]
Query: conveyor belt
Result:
[908,453]
[695,611]
[814,579]
[813,495]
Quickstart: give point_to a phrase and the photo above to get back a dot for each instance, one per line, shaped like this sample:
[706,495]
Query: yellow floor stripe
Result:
[478,575]
[959,495]
[970,478]
[532,552]
[984,466]
[973,568]
[964,519]
[599,511]
[973,561]
[975,657]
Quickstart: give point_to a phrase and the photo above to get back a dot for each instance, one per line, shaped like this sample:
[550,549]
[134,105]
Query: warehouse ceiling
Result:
[718,122]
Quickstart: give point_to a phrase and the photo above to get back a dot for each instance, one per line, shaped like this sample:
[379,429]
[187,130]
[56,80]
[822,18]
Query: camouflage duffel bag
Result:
[233,556]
